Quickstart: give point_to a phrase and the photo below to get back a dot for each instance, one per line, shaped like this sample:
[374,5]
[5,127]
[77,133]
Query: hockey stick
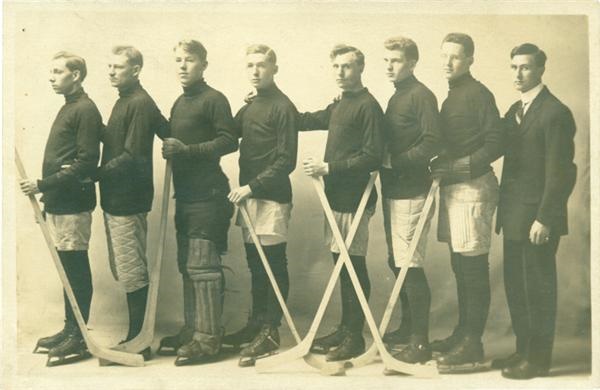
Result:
[371,354]
[127,359]
[146,336]
[310,359]
[303,348]
[388,360]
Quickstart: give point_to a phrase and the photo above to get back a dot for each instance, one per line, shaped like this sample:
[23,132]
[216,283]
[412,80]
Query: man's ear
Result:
[136,70]
[204,66]
[276,69]
[76,75]
[470,60]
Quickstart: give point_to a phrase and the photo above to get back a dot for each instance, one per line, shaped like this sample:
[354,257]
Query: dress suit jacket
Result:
[538,174]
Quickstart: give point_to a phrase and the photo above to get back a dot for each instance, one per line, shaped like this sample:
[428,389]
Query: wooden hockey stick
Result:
[371,354]
[303,348]
[146,336]
[310,359]
[388,360]
[127,359]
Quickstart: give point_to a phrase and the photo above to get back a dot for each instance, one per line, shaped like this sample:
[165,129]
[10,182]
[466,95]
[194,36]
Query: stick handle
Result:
[53,252]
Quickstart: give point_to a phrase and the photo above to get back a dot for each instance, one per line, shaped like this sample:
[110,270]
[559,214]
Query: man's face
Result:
[454,61]
[190,68]
[347,71]
[260,70]
[121,72]
[63,80]
[397,67]
[526,73]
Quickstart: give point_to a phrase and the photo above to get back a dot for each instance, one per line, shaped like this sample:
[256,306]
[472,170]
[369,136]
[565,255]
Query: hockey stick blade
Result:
[144,339]
[123,358]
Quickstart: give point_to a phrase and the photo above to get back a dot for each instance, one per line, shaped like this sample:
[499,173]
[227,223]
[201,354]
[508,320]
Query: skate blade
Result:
[251,361]
[54,361]
[463,368]
[43,351]
[165,351]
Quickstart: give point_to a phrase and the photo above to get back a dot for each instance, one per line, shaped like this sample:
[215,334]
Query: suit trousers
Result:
[530,283]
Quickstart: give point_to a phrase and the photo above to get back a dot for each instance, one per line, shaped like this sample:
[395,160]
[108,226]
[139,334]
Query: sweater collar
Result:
[130,88]
[74,96]
[460,80]
[350,94]
[404,83]
[268,91]
[195,89]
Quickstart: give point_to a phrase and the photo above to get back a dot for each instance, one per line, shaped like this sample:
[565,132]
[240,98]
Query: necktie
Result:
[521,112]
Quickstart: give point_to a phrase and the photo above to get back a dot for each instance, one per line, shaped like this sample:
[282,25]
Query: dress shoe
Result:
[524,370]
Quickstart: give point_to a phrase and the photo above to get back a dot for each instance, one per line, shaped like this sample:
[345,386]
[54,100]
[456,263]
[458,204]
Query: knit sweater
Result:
[471,124]
[125,174]
[412,136]
[354,146]
[71,156]
[201,118]
[268,150]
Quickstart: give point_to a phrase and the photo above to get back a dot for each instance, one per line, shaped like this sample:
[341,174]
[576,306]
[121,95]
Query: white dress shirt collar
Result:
[529,96]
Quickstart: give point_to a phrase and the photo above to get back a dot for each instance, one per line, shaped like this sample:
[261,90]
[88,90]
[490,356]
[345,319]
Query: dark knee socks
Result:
[405,322]
[265,305]
[416,289]
[352,315]
[476,280]
[77,267]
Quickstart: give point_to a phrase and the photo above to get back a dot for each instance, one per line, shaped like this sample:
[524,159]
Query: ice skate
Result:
[397,338]
[47,343]
[170,344]
[466,356]
[70,350]
[323,345]
[439,347]
[199,351]
[351,346]
[266,343]
[242,337]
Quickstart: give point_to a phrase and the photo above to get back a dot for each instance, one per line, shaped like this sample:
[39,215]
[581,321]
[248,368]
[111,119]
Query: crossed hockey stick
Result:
[146,336]
[389,361]
[124,358]
[302,350]
[312,360]
[371,354]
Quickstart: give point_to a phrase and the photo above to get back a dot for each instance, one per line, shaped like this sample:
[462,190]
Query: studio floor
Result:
[571,369]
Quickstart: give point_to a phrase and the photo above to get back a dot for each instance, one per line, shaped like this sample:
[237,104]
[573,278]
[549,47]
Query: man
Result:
[268,150]
[354,149]
[125,175]
[201,131]
[412,136]
[537,179]
[69,196]
[473,136]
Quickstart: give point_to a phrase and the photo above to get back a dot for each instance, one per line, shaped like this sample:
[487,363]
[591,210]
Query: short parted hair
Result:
[134,57]
[462,39]
[530,49]
[73,62]
[405,45]
[343,49]
[263,49]
[192,46]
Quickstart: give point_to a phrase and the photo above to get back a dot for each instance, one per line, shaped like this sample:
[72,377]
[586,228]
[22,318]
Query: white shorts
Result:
[400,219]
[70,232]
[126,237]
[270,220]
[360,243]
[466,214]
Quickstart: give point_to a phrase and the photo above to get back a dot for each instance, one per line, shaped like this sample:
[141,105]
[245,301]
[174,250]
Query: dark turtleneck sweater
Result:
[268,150]
[125,174]
[471,125]
[74,140]
[201,118]
[412,136]
[354,146]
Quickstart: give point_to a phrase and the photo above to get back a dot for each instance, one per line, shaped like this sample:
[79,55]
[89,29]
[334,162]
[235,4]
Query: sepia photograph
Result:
[300,194]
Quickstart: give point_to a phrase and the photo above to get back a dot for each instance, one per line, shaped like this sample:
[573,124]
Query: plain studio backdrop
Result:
[302,35]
